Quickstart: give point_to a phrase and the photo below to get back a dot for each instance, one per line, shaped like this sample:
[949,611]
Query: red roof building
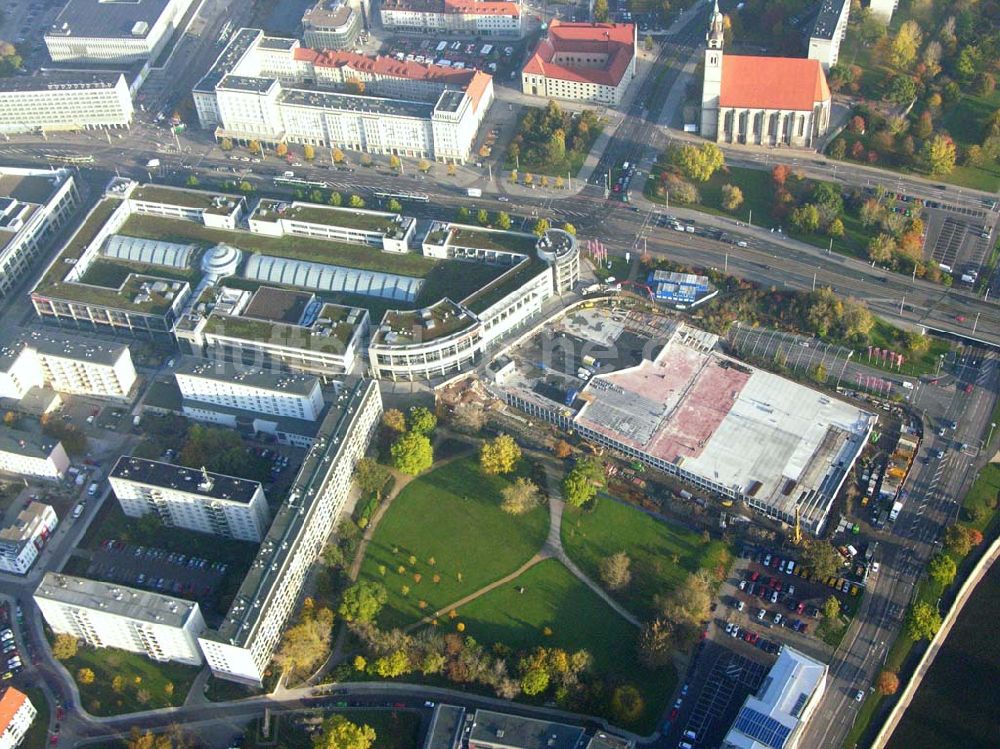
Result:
[487,18]
[592,62]
[16,716]
[772,83]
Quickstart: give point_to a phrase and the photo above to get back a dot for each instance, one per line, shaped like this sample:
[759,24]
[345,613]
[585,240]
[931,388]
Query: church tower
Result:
[712,83]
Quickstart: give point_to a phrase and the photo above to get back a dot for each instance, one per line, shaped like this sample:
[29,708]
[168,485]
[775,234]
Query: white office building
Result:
[16,716]
[273,90]
[242,647]
[189,498]
[221,383]
[24,454]
[113,32]
[492,18]
[34,204]
[829,31]
[64,101]
[776,716]
[105,615]
[21,542]
[331,24]
[66,365]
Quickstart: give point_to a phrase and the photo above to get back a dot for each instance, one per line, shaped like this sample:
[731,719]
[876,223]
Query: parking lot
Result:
[11,664]
[959,238]
[501,58]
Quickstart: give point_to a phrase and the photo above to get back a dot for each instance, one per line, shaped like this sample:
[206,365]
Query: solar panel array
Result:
[763,728]
[324,277]
[148,251]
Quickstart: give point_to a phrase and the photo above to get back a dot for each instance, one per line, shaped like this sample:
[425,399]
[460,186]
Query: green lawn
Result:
[984,493]
[884,335]
[145,681]
[37,735]
[578,618]
[652,545]
[451,515]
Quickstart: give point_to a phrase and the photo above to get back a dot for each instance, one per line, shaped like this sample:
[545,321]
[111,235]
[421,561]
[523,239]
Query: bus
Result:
[412,197]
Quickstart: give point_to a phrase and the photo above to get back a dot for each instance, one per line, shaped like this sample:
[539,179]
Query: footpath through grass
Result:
[662,555]
[549,598]
[445,537]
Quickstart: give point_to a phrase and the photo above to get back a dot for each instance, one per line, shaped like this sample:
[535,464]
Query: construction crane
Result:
[797,533]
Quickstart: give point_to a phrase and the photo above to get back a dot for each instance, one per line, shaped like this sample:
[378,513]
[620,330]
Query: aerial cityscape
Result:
[499,374]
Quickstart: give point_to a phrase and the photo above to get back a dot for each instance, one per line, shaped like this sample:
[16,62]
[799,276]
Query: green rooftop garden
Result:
[411,326]
[510,281]
[185,198]
[493,240]
[80,240]
[345,217]
[281,334]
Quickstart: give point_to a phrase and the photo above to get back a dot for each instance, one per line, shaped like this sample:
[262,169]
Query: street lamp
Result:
[993,425]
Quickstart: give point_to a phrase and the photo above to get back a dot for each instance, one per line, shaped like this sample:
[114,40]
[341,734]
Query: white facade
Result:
[466,18]
[186,498]
[15,704]
[829,31]
[242,648]
[273,90]
[354,225]
[99,370]
[883,9]
[295,396]
[25,225]
[104,615]
[25,455]
[21,543]
[56,102]
[111,32]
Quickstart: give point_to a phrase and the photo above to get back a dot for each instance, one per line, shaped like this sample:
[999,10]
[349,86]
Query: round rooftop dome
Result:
[221,260]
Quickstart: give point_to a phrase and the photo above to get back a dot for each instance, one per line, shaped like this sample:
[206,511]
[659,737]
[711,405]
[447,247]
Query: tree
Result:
[464,214]
[732,197]
[520,497]
[394,205]
[421,420]
[656,644]
[562,449]
[394,162]
[254,147]
[555,149]
[469,418]
[683,192]
[820,374]
[72,437]
[836,228]
[831,609]
[924,125]
[581,484]
[355,86]
[902,89]
[308,152]
[246,186]
[887,683]
[780,174]
[148,740]
[483,217]
[395,664]
[938,154]
[904,48]
[306,643]
[699,162]
[536,680]
[412,453]
[371,477]
[806,218]
[688,605]
[356,201]
[956,540]
[615,572]
[362,601]
[281,149]
[394,420]
[647,43]
[942,570]
[881,247]
[502,220]
[838,149]
[192,181]
[85,676]
[601,13]
[337,155]
[336,199]
[366,159]
[627,704]
[64,647]
[923,621]
[569,228]
[424,165]
[499,455]
[226,144]
[821,559]
[541,226]
[340,733]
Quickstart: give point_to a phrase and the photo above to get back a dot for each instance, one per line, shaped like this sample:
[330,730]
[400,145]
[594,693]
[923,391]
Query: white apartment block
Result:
[64,101]
[82,367]
[241,649]
[274,90]
[297,396]
[23,454]
[104,615]
[16,716]
[883,9]
[113,32]
[21,542]
[34,204]
[829,31]
[188,498]
[492,18]
[331,24]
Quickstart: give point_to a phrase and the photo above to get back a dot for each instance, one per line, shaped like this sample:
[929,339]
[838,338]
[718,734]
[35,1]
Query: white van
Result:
[78,510]
[92,490]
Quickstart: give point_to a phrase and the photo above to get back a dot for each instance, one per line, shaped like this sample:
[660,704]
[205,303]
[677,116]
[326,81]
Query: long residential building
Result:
[105,615]
[188,498]
[58,101]
[478,18]
[16,716]
[829,31]
[26,454]
[66,364]
[113,32]
[34,205]
[22,542]
[274,90]
[241,648]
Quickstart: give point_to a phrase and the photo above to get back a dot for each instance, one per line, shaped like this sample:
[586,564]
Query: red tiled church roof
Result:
[789,83]
[617,40]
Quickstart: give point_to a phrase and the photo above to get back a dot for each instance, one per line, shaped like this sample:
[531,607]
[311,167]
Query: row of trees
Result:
[410,436]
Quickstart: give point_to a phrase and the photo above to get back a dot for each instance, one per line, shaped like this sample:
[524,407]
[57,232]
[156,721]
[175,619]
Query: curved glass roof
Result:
[324,277]
[148,251]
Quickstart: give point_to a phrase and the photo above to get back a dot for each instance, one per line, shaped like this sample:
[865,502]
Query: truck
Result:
[894,512]
[474,192]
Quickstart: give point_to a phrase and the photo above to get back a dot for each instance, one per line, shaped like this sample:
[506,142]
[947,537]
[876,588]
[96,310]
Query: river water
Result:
[958,704]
